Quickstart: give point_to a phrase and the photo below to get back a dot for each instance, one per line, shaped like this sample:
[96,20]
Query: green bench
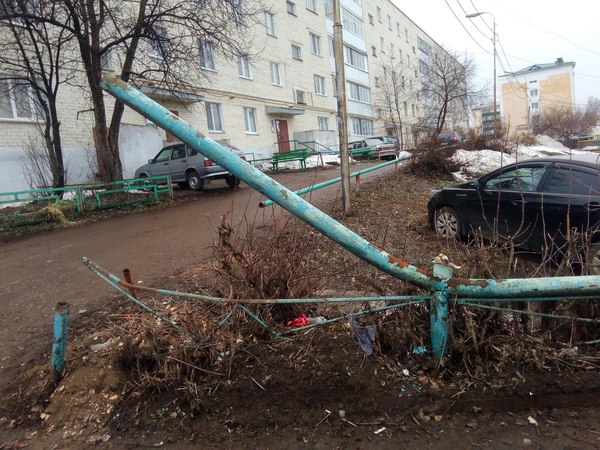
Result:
[292,155]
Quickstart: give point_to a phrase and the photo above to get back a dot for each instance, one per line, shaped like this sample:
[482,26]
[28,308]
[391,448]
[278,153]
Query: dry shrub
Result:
[433,164]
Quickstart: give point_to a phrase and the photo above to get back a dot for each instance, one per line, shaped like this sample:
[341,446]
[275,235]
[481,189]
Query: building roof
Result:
[535,67]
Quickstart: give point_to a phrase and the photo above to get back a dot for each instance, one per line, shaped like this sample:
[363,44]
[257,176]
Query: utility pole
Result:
[342,123]
[472,16]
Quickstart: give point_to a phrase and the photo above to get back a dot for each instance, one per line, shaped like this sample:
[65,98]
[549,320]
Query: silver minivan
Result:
[187,167]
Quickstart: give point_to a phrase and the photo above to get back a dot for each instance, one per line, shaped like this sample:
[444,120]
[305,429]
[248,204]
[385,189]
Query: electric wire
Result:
[465,28]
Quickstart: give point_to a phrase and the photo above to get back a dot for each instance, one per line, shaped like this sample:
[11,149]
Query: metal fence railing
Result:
[41,205]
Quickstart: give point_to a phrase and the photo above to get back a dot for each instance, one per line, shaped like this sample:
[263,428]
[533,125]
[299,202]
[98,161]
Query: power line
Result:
[553,33]
[472,22]
[464,28]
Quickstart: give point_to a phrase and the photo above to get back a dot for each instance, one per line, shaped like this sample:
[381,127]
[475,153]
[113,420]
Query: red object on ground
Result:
[300,321]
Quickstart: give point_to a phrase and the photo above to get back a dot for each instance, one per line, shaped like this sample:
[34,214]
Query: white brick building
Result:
[285,91]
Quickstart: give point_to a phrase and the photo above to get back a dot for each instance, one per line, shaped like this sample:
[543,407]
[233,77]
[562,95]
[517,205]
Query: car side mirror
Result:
[476,184]
[151,161]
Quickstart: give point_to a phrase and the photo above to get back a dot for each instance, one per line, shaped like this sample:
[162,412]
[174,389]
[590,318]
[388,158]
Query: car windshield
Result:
[164,155]
[374,141]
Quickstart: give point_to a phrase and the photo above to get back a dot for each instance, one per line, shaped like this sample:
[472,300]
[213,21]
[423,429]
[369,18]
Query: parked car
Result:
[187,167]
[535,204]
[380,149]
[448,138]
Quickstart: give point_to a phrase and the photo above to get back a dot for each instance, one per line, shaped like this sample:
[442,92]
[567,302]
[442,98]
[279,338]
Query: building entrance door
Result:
[283,137]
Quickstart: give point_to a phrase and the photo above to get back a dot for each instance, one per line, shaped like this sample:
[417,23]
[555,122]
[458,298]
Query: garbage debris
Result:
[365,335]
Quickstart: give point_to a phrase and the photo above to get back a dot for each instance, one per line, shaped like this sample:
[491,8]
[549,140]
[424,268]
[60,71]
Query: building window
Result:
[382,44]
[408,60]
[406,34]
[300,97]
[535,106]
[323,123]
[389,22]
[213,116]
[291,7]
[371,19]
[270,23]
[296,52]
[207,55]
[398,32]
[244,67]
[319,85]
[275,74]
[362,127]
[413,110]
[405,105]
[17,100]
[392,51]
[331,49]
[377,82]
[373,50]
[379,13]
[534,93]
[158,42]
[385,73]
[315,44]
[250,119]
[355,58]
[353,24]
[359,93]
[400,55]
[311,5]
[414,50]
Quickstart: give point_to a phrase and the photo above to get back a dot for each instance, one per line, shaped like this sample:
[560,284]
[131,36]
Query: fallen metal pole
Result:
[314,187]
[462,287]
[266,185]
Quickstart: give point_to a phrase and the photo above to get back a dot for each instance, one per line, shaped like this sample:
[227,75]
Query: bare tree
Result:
[563,121]
[446,90]
[155,42]
[33,61]
[393,93]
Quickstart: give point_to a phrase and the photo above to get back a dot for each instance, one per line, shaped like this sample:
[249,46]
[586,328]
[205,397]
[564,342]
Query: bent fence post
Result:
[59,344]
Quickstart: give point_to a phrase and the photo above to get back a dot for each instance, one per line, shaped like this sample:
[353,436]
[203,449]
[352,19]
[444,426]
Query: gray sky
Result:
[529,32]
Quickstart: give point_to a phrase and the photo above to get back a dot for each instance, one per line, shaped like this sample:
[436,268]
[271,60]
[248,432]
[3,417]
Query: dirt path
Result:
[40,270]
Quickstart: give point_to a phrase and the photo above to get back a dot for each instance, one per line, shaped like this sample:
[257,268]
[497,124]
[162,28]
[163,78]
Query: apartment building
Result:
[483,119]
[529,91]
[283,91]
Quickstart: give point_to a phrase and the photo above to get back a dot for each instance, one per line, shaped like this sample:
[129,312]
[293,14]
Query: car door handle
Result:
[519,202]
[592,206]
[461,195]
[165,164]
[184,160]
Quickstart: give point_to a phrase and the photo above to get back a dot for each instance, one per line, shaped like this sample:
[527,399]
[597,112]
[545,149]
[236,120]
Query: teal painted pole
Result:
[59,345]
[438,311]
[516,287]
[265,184]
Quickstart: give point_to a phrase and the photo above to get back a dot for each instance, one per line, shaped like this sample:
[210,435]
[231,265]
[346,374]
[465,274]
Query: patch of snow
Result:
[547,141]
[404,155]
[479,162]
[13,205]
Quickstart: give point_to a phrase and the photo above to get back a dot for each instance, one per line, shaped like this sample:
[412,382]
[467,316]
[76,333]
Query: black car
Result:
[448,138]
[534,204]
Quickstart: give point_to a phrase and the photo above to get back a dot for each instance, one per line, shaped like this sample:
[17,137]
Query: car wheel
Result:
[592,260]
[194,182]
[446,223]
[232,181]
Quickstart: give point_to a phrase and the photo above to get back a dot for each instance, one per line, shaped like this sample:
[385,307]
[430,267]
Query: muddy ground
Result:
[319,389]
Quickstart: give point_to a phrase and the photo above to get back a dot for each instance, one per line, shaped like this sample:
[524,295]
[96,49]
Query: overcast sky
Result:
[529,32]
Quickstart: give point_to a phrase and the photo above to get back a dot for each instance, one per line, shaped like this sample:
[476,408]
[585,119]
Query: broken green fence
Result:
[31,207]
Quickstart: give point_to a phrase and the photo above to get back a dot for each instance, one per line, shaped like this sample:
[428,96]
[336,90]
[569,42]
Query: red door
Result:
[283,138]
[170,137]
